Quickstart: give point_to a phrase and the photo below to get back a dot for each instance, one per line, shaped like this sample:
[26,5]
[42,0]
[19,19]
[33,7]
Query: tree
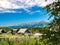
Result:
[54,9]
[53,34]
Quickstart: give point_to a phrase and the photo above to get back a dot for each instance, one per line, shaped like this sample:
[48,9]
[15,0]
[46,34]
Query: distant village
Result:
[22,31]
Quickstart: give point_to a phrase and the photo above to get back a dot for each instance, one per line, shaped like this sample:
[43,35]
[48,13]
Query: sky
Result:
[17,11]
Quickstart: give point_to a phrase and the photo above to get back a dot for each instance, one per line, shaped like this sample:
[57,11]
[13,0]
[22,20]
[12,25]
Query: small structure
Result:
[24,31]
[37,34]
[2,31]
[14,31]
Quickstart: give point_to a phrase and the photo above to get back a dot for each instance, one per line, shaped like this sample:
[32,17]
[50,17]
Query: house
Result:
[2,31]
[38,34]
[24,31]
[14,31]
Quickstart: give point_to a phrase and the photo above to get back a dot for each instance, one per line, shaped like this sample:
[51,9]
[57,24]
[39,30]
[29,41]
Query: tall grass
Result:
[22,41]
[25,40]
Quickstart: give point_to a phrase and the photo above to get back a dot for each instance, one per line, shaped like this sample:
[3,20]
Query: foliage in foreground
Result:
[28,41]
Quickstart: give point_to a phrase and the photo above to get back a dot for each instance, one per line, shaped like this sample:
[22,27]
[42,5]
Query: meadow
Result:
[9,39]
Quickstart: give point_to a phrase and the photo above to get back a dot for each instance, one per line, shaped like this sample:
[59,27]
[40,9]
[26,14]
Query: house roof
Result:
[1,30]
[22,30]
[37,34]
[15,29]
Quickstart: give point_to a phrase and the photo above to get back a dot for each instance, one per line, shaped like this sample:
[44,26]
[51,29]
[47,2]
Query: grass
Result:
[8,39]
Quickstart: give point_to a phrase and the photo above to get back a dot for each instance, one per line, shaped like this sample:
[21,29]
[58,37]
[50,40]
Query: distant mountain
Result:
[30,25]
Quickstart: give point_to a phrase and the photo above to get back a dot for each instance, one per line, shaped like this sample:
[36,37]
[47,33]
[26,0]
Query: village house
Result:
[24,31]
[2,31]
[38,34]
[14,31]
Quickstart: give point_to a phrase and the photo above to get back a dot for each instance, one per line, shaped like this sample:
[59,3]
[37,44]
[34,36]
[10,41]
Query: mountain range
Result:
[30,25]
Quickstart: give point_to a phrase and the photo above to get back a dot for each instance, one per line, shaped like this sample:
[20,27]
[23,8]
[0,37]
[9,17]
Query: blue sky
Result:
[36,15]
[17,11]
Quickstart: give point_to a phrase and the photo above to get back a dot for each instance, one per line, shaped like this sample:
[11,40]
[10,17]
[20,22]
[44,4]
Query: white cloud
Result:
[3,10]
[15,4]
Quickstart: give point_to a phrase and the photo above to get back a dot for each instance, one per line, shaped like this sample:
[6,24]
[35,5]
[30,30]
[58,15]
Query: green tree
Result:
[53,34]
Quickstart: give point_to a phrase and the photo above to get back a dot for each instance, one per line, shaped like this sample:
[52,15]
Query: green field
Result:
[9,39]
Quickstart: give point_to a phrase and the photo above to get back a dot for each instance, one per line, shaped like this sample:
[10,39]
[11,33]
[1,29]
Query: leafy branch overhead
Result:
[54,8]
